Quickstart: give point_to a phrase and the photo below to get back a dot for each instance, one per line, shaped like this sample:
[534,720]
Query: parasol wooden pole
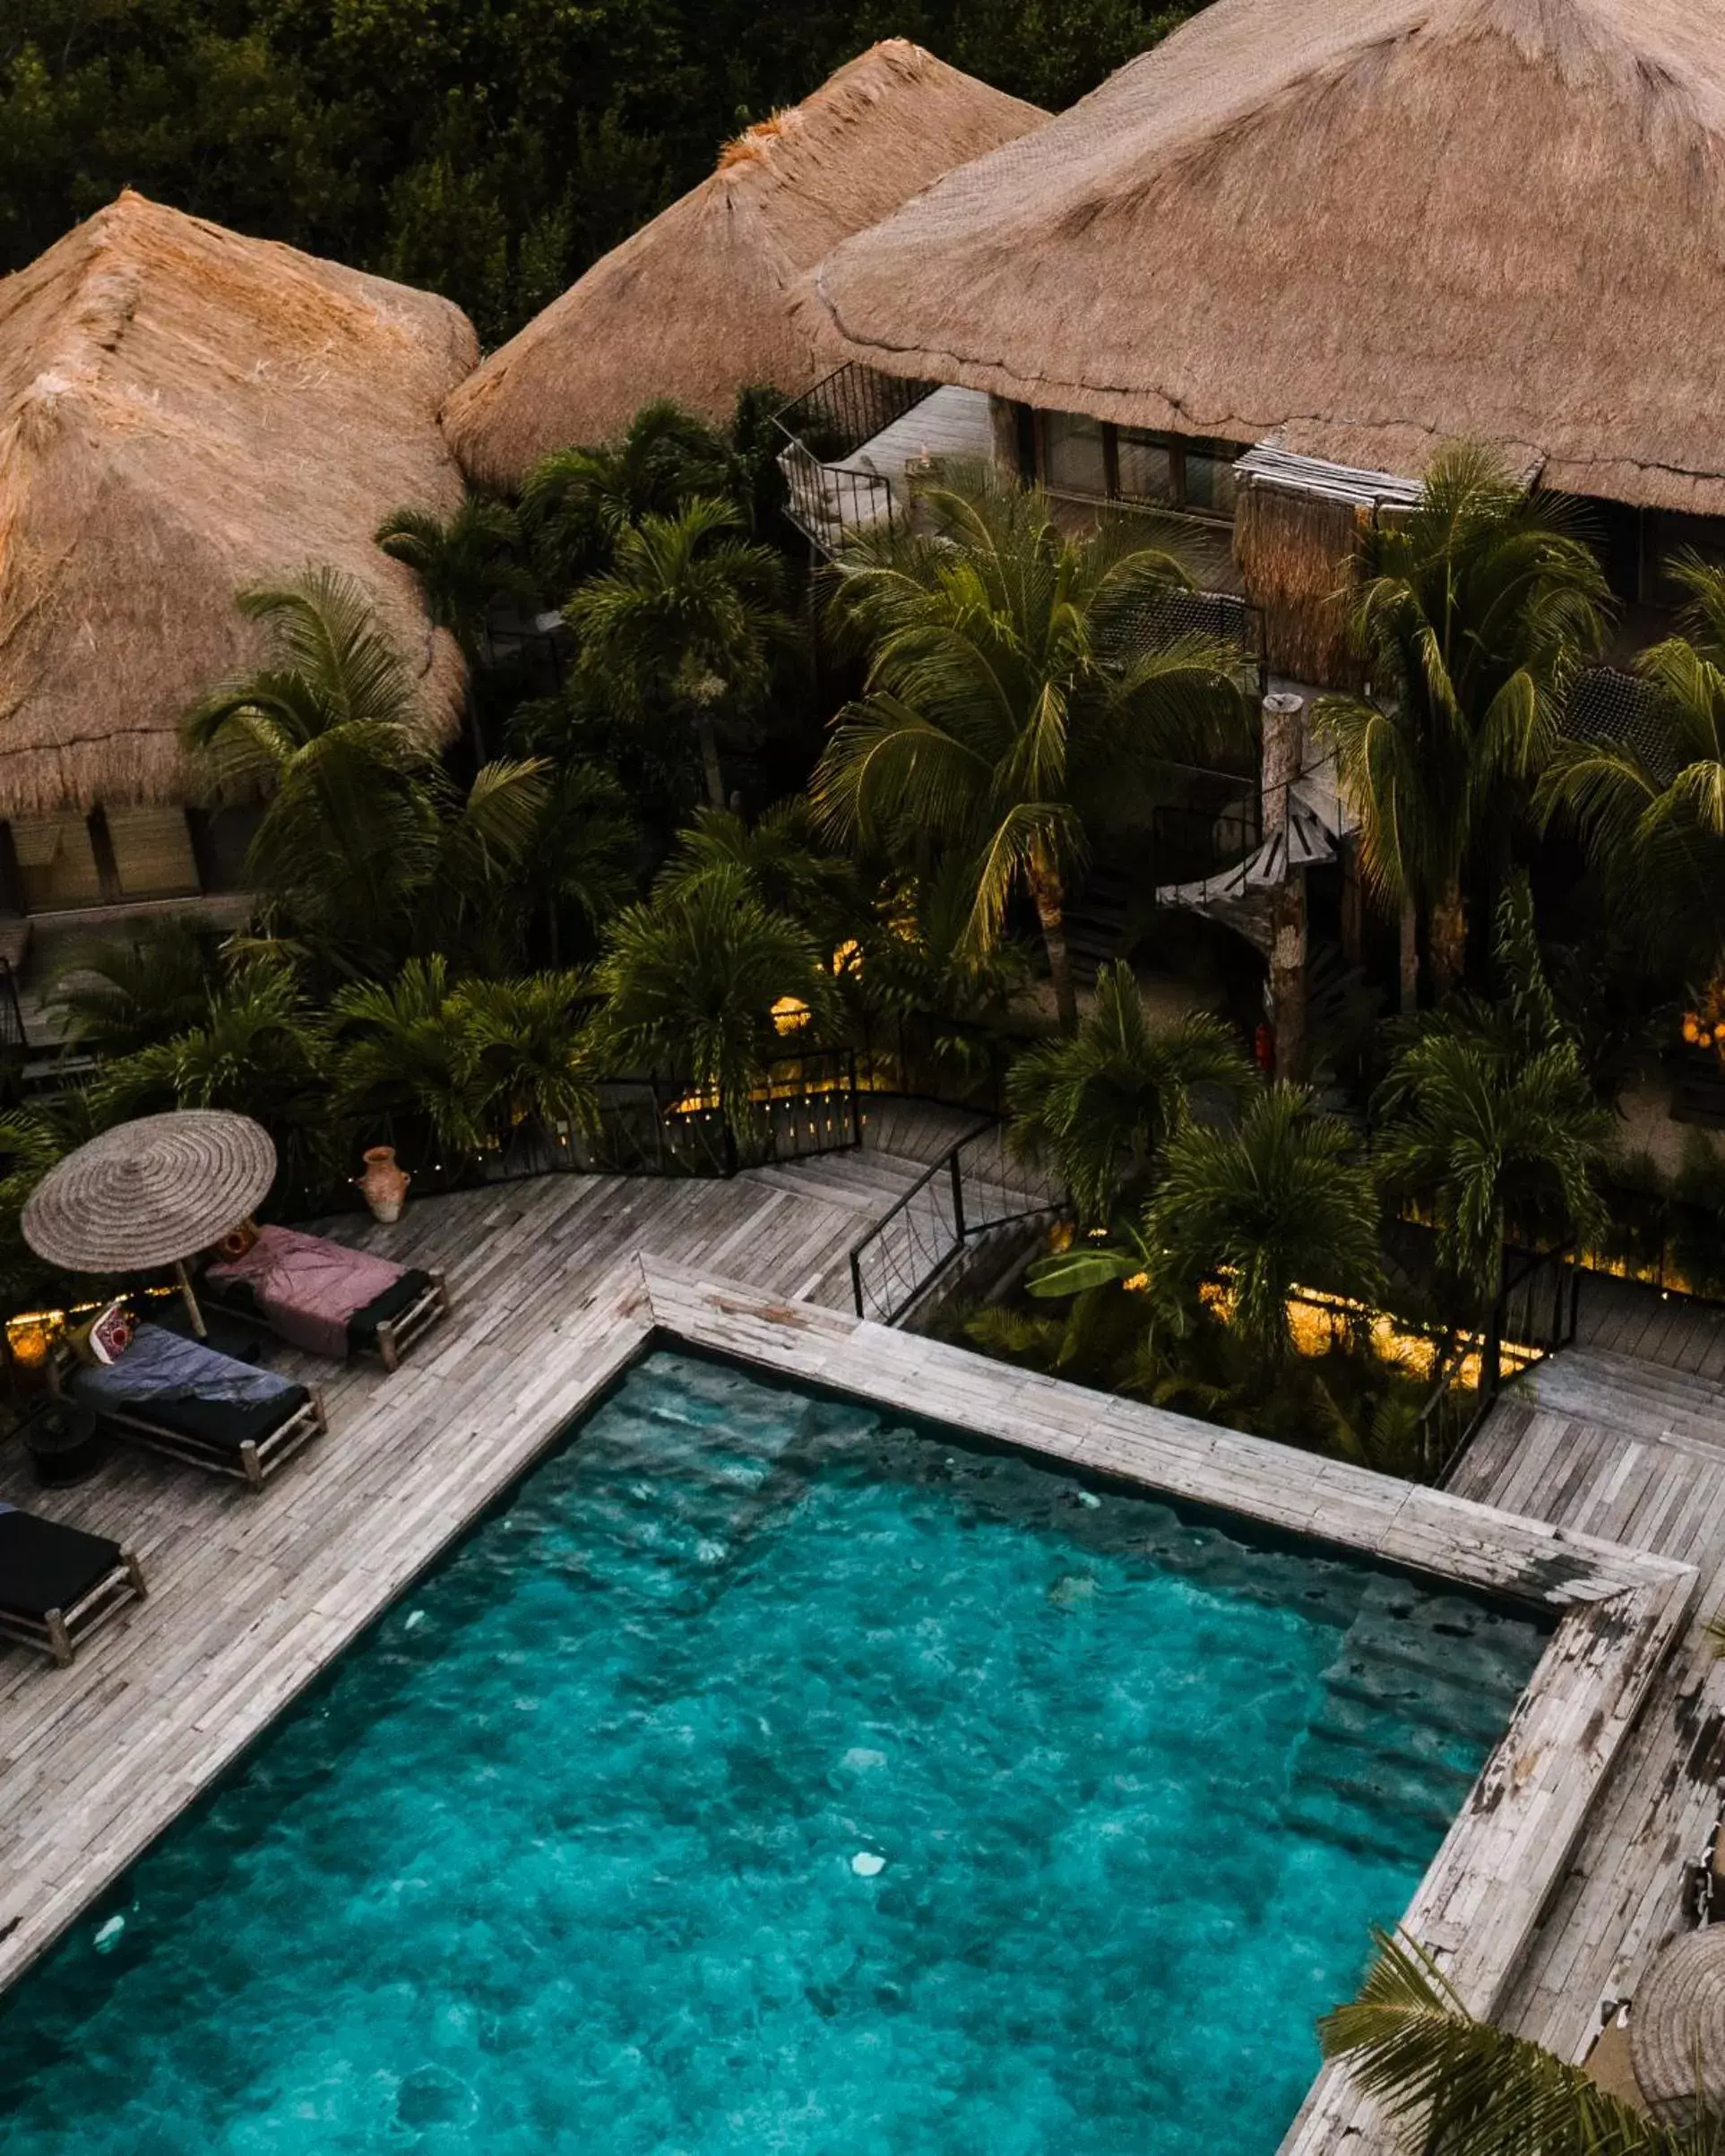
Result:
[193,1310]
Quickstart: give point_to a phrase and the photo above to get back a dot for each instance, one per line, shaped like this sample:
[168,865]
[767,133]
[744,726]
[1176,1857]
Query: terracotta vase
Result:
[384,1185]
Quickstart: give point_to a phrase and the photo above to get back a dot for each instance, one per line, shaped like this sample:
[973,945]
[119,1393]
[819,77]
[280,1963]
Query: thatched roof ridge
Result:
[700,301]
[184,412]
[1368,225]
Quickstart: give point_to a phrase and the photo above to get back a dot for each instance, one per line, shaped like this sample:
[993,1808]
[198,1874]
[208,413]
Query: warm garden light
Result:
[790,1015]
[29,1339]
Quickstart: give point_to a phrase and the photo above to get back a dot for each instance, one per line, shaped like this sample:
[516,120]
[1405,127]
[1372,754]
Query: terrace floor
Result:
[1623,1437]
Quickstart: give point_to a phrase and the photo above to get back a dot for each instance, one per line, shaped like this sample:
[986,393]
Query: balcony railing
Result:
[830,499]
[850,406]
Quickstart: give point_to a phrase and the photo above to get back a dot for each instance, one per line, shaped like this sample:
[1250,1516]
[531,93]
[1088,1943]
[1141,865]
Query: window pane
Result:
[152,851]
[1146,468]
[1076,461]
[1210,482]
[55,864]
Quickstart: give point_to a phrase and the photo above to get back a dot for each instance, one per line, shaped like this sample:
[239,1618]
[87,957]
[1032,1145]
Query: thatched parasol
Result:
[183,412]
[151,1193]
[1676,2029]
[700,302]
[1368,225]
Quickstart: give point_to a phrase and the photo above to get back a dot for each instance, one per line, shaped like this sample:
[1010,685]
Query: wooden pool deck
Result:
[1622,1436]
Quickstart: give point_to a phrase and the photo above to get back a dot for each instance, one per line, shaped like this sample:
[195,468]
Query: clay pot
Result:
[384,1185]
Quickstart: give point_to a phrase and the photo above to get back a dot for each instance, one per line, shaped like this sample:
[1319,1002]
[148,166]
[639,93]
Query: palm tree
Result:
[361,821]
[588,854]
[690,979]
[123,993]
[783,860]
[1012,686]
[1280,1201]
[1652,804]
[535,1048]
[33,1139]
[259,1048]
[576,504]
[1474,614]
[462,1063]
[688,613]
[1488,1119]
[1098,1106]
[1460,2086]
[463,561]
[406,1051]
[1493,1138]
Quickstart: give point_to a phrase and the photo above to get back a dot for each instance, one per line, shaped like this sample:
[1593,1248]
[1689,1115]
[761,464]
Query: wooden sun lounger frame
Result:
[251,1463]
[395,1336]
[60,1632]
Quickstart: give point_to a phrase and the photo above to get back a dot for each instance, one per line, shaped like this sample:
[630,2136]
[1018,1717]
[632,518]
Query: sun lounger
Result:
[182,1399]
[327,1297]
[58,1585]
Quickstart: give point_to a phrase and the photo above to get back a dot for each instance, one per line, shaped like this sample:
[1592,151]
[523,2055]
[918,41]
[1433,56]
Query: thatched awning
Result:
[183,412]
[1677,2031]
[1372,225]
[700,302]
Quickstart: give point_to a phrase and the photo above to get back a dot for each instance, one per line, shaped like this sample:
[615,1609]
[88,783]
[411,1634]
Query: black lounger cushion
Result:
[222,1421]
[399,1296]
[44,1565]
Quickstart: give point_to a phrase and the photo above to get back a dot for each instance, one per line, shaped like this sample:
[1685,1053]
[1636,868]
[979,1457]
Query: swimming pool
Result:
[777,1774]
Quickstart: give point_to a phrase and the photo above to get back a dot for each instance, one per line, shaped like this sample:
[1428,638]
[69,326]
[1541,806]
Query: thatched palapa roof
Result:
[699,302]
[1369,224]
[183,412]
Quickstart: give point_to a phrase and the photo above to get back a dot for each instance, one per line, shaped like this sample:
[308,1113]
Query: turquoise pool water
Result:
[778,1776]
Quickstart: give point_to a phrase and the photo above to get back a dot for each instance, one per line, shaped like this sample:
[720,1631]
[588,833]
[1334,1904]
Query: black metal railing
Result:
[1226,618]
[829,503]
[805,1106]
[1535,1316]
[828,500]
[975,1188]
[849,407]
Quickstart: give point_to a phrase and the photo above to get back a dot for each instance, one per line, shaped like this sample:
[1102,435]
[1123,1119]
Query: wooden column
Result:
[1284,740]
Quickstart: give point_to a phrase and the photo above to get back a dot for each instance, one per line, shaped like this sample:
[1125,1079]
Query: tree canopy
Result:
[487,151]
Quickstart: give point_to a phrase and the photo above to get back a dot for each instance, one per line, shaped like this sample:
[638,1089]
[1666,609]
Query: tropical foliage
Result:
[490,154]
[689,615]
[1473,613]
[1016,681]
[1283,1200]
[577,503]
[464,561]
[690,980]
[1489,1120]
[1098,1107]
[367,848]
[464,1061]
[1462,2087]
[1651,801]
